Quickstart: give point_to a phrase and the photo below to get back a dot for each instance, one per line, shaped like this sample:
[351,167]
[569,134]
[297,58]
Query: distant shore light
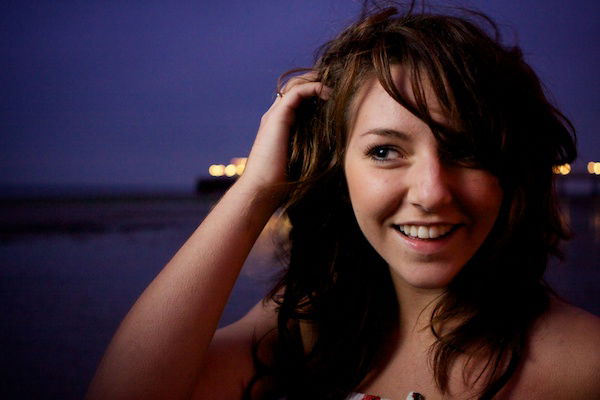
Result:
[216,170]
[593,167]
[562,169]
[230,170]
[240,164]
[235,167]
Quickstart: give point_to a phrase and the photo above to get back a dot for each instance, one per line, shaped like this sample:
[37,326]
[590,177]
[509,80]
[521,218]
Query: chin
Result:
[425,278]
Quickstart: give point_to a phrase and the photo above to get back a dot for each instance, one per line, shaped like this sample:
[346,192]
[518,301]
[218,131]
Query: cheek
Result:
[372,195]
[485,197]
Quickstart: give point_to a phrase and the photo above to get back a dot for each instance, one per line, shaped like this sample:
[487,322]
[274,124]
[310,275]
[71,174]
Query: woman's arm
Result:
[161,344]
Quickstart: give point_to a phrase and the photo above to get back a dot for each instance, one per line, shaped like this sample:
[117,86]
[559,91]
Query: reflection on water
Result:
[71,270]
[578,278]
[583,215]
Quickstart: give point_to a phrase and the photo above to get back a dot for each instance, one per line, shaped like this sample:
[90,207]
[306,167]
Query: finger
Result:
[291,80]
[287,102]
[284,107]
[292,98]
[310,76]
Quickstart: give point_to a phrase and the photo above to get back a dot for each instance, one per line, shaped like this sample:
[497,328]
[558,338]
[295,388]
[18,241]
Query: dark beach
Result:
[71,266]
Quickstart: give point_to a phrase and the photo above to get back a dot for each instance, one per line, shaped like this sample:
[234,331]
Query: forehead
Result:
[372,104]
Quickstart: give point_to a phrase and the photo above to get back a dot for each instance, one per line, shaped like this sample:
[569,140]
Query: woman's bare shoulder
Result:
[568,328]
[563,357]
[229,363]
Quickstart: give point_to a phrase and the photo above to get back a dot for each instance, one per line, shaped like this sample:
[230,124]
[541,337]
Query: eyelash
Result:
[372,152]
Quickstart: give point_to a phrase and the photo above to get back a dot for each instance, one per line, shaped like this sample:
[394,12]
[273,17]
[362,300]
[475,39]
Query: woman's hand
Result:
[267,162]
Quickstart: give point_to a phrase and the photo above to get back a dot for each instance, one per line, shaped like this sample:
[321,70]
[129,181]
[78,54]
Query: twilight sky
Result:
[153,92]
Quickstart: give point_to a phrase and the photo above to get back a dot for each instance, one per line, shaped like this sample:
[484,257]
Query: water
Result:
[70,270]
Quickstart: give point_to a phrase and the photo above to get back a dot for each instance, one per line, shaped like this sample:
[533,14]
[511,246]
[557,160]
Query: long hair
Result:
[336,283]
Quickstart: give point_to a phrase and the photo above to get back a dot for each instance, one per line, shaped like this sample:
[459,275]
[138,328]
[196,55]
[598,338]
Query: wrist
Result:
[257,194]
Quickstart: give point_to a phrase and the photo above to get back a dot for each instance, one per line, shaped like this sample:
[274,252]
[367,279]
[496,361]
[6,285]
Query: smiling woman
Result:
[425,216]
[414,163]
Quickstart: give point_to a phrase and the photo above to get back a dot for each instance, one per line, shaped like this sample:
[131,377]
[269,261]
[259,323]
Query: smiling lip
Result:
[427,238]
[425,232]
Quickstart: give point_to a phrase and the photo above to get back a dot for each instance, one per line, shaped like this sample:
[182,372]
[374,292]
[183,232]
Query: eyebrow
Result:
[387,132]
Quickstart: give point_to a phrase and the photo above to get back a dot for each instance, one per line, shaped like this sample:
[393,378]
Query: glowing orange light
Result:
[564,169]
[230,170]
[216,170]
[240,164]
[235,167]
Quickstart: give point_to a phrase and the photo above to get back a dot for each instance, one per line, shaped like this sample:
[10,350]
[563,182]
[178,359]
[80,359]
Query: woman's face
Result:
[425,216]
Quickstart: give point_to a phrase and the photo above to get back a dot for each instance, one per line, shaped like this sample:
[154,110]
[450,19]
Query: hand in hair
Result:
[267,163]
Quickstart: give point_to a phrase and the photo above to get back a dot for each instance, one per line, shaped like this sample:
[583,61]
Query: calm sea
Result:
[72,265]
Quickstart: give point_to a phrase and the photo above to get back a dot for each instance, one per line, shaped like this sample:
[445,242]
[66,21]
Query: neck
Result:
[415,306]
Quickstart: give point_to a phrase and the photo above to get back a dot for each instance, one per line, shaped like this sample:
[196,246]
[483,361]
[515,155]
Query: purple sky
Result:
[153,92]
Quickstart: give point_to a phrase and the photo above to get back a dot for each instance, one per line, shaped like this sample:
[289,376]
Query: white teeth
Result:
[425,232]
[434,232]
[413,231]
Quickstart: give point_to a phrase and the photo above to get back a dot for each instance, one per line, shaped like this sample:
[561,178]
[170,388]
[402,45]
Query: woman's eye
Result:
[382,153]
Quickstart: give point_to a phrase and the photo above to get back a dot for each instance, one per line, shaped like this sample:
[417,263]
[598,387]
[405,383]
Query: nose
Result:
[430,184]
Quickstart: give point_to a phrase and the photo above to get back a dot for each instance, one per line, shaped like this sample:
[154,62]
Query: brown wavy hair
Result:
[336,283]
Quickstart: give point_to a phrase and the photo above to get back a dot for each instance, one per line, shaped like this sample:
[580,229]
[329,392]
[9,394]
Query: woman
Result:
[414,163]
